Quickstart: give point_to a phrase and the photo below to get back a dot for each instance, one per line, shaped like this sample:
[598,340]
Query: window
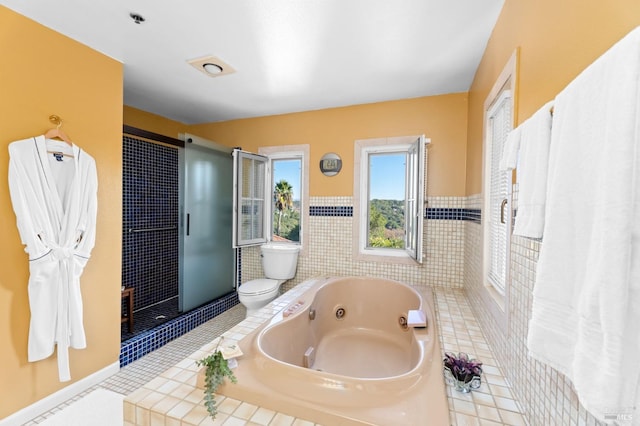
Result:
[249,198]
[389,198]
[271,195]
[496,214]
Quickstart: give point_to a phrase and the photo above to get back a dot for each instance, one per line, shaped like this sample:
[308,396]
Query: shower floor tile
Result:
[148,318]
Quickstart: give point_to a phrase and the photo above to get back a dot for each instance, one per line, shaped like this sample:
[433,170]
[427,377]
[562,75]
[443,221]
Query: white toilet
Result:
[279,263]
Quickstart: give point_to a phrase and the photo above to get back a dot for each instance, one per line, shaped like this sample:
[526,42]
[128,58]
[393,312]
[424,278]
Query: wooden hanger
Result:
[59,134]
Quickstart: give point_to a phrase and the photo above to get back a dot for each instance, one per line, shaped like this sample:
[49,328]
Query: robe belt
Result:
[60,252]
[63,255]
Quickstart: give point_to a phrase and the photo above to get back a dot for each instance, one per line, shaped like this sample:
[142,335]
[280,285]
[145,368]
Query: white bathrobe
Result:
[55,201]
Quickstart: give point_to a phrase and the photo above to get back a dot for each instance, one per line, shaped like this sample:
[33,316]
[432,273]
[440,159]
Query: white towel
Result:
[509,159]
[532,173]
[586,299]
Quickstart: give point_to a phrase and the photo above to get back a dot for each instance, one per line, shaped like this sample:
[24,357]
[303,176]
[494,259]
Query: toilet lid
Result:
[257,287]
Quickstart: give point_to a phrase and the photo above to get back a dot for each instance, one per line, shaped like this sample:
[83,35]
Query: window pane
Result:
[415,199]
[386,200]
[287,194]
[249,199]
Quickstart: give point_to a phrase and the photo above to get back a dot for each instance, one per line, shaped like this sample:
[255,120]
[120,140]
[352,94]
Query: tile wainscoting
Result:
[546,396]
[331,253]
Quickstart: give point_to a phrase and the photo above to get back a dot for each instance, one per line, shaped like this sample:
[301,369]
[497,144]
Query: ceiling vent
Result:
[211,66]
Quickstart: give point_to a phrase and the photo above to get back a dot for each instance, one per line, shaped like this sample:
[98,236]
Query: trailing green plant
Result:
[216,370]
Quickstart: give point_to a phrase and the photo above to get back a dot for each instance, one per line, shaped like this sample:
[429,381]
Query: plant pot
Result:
[462,384]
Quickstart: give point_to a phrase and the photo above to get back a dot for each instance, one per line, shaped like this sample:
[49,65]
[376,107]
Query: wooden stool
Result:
[127,294]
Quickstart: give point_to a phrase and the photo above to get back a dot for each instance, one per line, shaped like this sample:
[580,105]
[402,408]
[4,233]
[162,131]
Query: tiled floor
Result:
[492,404]
[150,317]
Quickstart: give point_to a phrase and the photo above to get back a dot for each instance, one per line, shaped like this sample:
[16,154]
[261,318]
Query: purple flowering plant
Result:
[462,367]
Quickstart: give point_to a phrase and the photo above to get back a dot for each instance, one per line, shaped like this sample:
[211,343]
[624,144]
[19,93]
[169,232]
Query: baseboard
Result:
[47,403]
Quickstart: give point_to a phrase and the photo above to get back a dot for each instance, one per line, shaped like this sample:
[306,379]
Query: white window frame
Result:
[497,255]
[255,195]
[414,195]
[265,156]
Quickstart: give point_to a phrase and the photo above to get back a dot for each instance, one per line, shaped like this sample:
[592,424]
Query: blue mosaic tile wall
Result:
[148,341]
[150,221]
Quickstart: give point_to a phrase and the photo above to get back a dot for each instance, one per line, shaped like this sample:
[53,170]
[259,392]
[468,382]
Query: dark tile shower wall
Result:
[150,221]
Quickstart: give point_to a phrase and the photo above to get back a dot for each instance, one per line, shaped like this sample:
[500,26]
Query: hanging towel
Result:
[586,299]
[509,159]
[532,139]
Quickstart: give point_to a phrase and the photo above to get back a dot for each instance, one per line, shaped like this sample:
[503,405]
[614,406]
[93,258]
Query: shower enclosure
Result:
[207,256]
[177,210]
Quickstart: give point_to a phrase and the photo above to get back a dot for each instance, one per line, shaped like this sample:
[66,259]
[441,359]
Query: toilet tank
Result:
[279,261]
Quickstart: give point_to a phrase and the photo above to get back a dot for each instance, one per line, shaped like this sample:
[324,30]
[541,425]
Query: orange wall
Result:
[151,122]
[557,40]
[44,73]
[441,118]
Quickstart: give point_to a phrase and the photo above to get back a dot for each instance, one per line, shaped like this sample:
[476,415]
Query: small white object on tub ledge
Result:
[230,352]
[416,319]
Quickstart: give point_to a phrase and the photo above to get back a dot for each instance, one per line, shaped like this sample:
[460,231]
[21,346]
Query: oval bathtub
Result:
[339,354]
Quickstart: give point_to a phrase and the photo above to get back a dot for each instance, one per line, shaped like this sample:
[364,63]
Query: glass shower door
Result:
[208,257]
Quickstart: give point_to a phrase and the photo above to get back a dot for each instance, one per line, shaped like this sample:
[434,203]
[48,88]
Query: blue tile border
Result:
[148,341]
[342,211]
[473,215]
[442,213]
[445,213]
[431,213]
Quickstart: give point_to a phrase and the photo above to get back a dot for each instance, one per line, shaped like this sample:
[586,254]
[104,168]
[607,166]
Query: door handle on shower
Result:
[188,223]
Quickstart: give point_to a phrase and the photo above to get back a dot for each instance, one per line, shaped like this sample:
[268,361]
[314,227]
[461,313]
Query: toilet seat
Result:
[258,287]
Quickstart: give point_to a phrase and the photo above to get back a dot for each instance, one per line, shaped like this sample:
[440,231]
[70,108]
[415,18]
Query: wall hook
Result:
[55,120]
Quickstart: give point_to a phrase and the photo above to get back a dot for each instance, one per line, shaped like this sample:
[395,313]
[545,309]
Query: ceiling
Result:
[289,55]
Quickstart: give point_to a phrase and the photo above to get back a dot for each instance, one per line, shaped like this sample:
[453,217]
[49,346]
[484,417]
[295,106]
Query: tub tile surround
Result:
[173,398]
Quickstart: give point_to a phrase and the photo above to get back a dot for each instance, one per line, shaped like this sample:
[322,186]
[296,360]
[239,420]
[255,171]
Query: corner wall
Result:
[44,73]
[557,40]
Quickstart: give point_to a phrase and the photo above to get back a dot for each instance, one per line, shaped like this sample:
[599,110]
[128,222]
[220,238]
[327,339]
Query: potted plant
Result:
[461,371]
[216,370]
